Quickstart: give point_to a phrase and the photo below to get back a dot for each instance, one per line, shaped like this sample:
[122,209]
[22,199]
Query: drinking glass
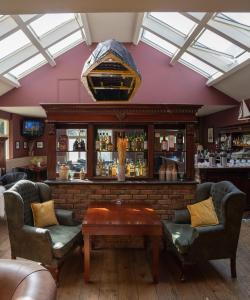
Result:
[71,174]
[181,174]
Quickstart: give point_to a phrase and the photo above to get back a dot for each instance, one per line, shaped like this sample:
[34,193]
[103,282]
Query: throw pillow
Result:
[44,214]
[203,213]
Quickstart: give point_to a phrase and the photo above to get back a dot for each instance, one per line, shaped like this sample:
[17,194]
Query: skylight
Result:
[66,43]
[28,66]
[217,44]
[176,21]
[198,65]
[49,22]
[238,18]
[159,43]
[12,43]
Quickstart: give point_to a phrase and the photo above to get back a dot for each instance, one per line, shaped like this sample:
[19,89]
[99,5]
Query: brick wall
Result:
[163,198]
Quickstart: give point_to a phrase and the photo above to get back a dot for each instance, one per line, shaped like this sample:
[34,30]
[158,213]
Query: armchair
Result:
[195,244]
[9,179]
[49,245]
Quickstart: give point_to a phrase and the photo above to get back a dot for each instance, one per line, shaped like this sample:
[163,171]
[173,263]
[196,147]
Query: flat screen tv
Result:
[32,128]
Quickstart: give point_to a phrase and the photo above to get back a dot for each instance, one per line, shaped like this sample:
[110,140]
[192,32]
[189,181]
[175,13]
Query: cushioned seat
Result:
[50,245]
[198,244]
[63,238]
[181,235]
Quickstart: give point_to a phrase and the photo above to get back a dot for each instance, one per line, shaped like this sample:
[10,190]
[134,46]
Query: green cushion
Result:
[180,235]
[63,238]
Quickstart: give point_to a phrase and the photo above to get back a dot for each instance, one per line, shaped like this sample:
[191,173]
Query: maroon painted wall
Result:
[15,125]
[224,118]
[161,83]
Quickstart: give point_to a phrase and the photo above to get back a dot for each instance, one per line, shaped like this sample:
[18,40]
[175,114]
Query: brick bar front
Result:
[164,197]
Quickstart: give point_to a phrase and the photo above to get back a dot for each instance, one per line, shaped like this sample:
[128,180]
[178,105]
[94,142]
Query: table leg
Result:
[86,249]
[155,259]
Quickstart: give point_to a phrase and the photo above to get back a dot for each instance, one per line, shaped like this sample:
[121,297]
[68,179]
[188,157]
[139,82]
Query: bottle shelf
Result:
[142,151]
[169,152]
[65,151]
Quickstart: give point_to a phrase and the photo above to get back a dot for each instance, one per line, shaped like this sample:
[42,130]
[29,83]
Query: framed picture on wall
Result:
[210,135]
[25,145]
[17,145]
[39,145]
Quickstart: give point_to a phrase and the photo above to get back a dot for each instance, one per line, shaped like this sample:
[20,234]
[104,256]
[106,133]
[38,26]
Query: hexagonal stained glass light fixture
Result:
[110,73]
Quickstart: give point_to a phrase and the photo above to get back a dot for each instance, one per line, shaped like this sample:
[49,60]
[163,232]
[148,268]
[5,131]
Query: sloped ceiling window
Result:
[66,43]
[49,22]
[159,43]
[198,65]
[176,21]
[241,20]
[12,43]
[210,41]
[28,66]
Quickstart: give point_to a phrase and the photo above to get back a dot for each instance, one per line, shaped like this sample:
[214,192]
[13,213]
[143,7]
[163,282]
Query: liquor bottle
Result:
[114,169]
[109,145]
[145,142]
[137,168]
[83,147]
[98,168]
[144,169]
[164,144]
[75,145]
[97,143]
[132,169]
[103,143]
[127,168]
[129,143]
[133,143]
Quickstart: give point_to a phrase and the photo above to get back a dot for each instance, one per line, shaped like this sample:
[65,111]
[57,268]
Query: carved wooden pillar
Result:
[2,153]
[90,153]
[51,152]
[190,144]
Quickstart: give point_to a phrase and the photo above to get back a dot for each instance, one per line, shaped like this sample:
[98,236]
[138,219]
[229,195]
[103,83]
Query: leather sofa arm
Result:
[36,244]
[65,217]
[182,216]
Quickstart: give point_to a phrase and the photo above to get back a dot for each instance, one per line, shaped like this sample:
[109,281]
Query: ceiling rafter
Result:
[138,28]
[198,29]
[34,40]
[10,80]
[82,18]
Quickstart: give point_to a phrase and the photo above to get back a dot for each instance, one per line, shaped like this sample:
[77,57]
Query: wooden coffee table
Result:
[137,219]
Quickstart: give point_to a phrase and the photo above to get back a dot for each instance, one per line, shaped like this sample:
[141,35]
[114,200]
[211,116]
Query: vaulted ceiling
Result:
[217,45]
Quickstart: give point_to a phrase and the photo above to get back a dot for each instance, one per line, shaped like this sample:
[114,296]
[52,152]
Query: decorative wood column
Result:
[190,144]
[90,151]
[2,153]
[51,155]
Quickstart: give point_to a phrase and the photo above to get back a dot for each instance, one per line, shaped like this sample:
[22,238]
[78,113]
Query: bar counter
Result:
[238,175]
[163,196]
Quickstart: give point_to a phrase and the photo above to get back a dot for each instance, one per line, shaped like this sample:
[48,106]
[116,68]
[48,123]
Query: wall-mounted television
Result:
[32,128]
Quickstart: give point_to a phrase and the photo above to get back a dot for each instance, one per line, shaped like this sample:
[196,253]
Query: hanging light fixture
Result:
[110,73]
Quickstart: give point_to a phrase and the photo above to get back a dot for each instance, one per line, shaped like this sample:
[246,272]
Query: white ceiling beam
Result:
[84,24]
[10,80]
[34,40]
[189,40]
[213,81]
[138,28]
[235,36]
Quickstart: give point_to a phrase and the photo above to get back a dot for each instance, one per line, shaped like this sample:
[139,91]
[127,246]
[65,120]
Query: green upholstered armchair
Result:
[193,245]
[49,245]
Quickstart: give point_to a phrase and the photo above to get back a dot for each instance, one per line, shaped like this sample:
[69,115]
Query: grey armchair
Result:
[49,245]
[193,245]
[9,179]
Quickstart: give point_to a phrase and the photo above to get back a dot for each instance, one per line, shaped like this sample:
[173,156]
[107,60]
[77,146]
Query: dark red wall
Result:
[161,83]
[15,125]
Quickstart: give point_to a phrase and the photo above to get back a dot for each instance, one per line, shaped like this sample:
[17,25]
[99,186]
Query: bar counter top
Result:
[126,182]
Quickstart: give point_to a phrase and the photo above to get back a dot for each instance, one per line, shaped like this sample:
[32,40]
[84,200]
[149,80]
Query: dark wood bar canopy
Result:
[148,115]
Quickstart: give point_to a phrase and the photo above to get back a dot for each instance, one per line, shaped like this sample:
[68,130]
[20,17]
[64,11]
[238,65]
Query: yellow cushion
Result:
[203,213]
[44,214]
